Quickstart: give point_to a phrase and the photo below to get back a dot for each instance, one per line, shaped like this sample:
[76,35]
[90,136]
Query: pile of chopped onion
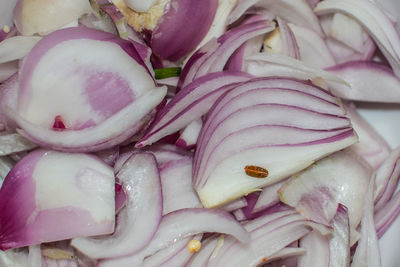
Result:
[196,133]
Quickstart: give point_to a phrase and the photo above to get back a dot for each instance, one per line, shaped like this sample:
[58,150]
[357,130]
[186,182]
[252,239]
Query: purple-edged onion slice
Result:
[298,12]
[374,21]
[228,156]
[50,196]
[138,221]
[190,104]
[371,146]
[112,91]
[339,243]
[367,252]
[317,191]
[180,224]
[369,81]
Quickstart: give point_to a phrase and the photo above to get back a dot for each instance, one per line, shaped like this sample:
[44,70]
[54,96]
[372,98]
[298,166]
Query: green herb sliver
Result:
[167,72]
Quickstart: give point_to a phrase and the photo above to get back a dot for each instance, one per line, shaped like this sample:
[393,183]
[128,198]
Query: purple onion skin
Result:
[170,39]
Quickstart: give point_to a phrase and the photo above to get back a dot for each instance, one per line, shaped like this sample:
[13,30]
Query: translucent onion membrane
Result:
[44,16]
[43,104]
[341,178]
[138,220]
[254,124]
[50,196]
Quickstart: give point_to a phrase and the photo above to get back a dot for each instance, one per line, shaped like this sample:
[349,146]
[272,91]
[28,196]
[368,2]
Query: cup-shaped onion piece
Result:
[45,16]
[50,196]
[83,90]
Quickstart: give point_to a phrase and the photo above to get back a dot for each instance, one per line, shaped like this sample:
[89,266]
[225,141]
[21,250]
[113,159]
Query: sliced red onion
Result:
[109,156]
[267,89]
[201,258]
[121,198]
[317,247]
[99,21]
[35,256]
[14,258]
[189,135]
[48,122]
[45,16]
[180,224]
[179,257]
[285,257]
[266,240]
[263,64]
[6,165]
[12,143]
[214,55]
[374,21]
[219,24]
[312,48]
[138,221]
[222,157]
[268,197]
[339,243]
[235,205]
[387,214]
[339,178]
[298,12]
[364,79]
[387,179]
[228,43]
[367,252]
[16,47]
[176,180]
[289,42]
[140,6]
[239,214]
[251,46]
[40,211]
[190,104]
[371,146]
[7,70]
[348,31]
[195,15]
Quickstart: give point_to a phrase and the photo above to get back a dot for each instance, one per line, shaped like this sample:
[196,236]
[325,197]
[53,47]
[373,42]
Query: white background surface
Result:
[385,118]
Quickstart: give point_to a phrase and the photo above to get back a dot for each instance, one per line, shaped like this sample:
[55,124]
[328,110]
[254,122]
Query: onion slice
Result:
[189,104]
[35,210]
[374,21]
[317,191]
[317,247]
[183,223]
[339,243]
[297,12]
[16,47]
[367,252]
[369,81]
[49,122]
[138,221]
